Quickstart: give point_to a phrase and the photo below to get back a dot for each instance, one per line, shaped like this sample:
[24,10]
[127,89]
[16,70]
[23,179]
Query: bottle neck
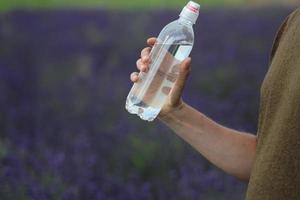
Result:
[185,21]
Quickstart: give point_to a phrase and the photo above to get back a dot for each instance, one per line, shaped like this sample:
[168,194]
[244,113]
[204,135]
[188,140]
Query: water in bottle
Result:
[173,45]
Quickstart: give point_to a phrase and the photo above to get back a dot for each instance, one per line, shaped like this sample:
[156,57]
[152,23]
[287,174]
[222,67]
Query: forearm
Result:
[228,149]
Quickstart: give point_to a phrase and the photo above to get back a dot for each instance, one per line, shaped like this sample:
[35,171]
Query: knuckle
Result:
[138,62]
[145,50]
[143,67]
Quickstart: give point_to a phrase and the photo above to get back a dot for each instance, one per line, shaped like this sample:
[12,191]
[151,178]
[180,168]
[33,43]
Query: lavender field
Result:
[64,77]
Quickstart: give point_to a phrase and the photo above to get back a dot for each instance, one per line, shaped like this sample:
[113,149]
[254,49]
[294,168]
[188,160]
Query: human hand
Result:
[174,100]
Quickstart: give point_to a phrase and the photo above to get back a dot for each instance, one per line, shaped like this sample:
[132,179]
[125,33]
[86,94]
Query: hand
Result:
[174,100]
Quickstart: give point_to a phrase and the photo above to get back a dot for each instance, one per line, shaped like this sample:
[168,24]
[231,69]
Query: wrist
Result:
[172,112]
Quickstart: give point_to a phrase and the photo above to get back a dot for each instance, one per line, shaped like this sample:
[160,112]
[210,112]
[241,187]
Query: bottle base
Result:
[144,111]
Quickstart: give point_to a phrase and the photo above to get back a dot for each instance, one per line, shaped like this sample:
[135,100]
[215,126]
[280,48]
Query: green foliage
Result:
[164,3]
[220,82]
[50,179]
[13,193]
[3,149]
[143,153]
[111,4]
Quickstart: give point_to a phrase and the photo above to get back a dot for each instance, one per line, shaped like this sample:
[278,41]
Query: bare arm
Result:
[228,149]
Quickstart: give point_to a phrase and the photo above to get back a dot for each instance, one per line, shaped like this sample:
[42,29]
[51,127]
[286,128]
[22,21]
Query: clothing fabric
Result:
[276,171]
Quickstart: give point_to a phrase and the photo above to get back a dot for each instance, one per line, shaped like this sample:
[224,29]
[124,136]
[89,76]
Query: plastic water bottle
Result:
[173,45]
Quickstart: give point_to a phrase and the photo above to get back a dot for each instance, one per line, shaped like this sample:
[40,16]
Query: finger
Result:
[166,90]
[145,54]
[151,41]
[184,71]
[134,77]
[141,66]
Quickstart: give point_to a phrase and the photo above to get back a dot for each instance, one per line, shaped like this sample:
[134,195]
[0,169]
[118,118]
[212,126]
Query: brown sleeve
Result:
[279,34]
[294,16]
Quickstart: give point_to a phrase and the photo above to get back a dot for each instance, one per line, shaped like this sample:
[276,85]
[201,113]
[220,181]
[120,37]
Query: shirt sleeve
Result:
[292,18]
[282,29]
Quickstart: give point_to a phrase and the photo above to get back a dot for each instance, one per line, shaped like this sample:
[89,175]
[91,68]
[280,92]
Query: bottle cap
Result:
[190,11]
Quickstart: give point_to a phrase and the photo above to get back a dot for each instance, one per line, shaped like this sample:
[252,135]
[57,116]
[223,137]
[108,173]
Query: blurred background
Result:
[64,78]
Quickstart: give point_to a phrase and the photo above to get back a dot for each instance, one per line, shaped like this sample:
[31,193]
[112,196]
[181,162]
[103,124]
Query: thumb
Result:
[177,90]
